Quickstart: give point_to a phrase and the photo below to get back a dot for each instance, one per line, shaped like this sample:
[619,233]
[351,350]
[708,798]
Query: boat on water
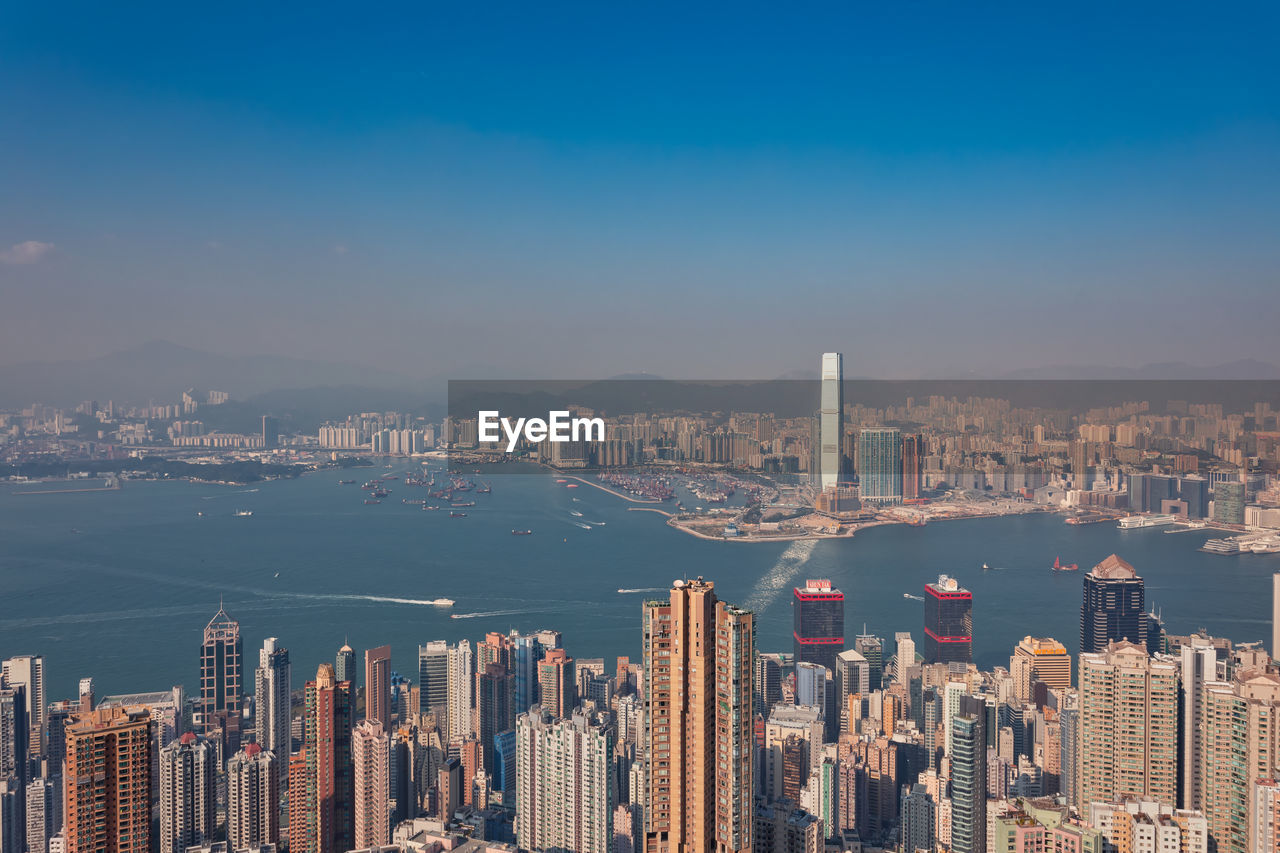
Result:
[1132,522]
[463,503]
[575,513]
[243,513]
[277,574]
[572,486]
[430,506]
[1221,546]
[345,482]
[1058,566]
[457,515]
[1264,548]
[561,482]
[443,602]
[913,597]
[484,490]
[521,532]
[371,501]
[583,526]
[985,567]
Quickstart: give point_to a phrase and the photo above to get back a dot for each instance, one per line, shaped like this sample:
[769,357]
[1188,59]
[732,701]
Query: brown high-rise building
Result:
[377,686]
[557,683]
[496,648]
[326,796]
[698,736]
[912,466]
[221,674]
[108,781]
[495,706]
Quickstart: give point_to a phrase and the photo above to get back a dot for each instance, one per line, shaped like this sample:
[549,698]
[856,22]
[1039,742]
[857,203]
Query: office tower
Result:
[948,622]
[904,657]
[768,681]
[1041,659]
[918,817]
[872,650]
[969,777]
[698,737]
[880,466]
[270,432]
[187,794]
[371,754]
[1240,724]
[271,698]
[15,739]
[461,684]
[495,692]
[253,798]
[818,623]
[39,806]
[28,670]
[1198,666]
[1194,490]
[433,681]
[912,466]
[1228,502]
[1128,725]
[557,683]
[852,676]
[377,685]
[1113,607]
[221,673]
[325,799]
[564,788]
[12,824]
[828,460]
[108,781]
[503,772]
[344,665]
[525,654]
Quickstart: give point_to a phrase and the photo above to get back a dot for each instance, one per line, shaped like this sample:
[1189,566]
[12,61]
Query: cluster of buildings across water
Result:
[1144,742]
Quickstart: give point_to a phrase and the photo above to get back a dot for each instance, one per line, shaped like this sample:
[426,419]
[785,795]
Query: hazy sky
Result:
[604,188]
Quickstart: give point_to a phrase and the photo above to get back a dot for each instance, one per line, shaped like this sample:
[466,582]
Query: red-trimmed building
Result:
[948,622]
[819,623]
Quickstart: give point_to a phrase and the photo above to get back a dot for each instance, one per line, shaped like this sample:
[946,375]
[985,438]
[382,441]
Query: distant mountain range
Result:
[1170,370]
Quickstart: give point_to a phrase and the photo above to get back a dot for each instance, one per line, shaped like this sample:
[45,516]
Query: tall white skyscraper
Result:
[187,794]
[564,795]
[460,688]
[371,756]
[28,670]
[271,697]
[830,434]
[253,804]
[905,656]
[1199,666]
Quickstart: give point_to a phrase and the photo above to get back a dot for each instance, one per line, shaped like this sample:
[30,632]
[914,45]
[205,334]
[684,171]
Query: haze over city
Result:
[680,191]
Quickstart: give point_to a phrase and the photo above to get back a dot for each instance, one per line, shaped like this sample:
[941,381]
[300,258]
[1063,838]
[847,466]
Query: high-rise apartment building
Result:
[1240,731]
[221,673]
[880,466]
[253,801]
[969,777]
[107,782]
[325,823]
[1199,665]
[827,456]
[272,704]
[371,754]
[904,657]
[1128,725]
[188,796]
[1113,607]
[557,683]
[564,789]
[948,622]
[495,710]
[15,740]
[698,736]
[461,685]
[28,670]
[377,686]
[818,623]
[912,466]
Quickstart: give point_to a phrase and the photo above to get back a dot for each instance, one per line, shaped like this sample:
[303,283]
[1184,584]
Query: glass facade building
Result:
[818,629]
[948,622]
[880,466]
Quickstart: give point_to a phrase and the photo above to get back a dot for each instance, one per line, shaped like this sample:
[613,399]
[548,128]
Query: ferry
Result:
[457,515]
[371,501]
[1131,522]
[575,513]
[521,532]
[443,602]
[913,597]
[1059,567]
[243,513]
[1265,548]
[1221,546]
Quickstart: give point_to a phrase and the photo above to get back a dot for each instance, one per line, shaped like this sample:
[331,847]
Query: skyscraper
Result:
[904,657]
[461,684]
[564,790]
[969,777]
[325,800]
[912,466]
[221,673]
[1113,607]
[28,670]
[108,782]
[828,459]
[557,683]
[187,794]
[1240,727]
[1199,666]
[272,699]
[880,466]
[948,622]
[1128,725]
[698,735]
[1041,659]
[39,807]
[344,664]
[15,740]
[253,804]
[377,686]
[433,681]
[495,711]
[371,754]
[818,623]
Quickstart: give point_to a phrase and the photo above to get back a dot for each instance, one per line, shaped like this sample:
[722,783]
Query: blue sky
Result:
[725,190]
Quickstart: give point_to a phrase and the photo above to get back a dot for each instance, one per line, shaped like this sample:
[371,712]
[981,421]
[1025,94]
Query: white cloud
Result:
[26,252]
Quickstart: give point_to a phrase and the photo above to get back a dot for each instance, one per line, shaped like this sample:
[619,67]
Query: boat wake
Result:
[789,564]
[487,613]
[643,589]
[580,524]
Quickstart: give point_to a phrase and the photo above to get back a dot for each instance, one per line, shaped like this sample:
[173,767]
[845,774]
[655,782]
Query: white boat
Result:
[443,602]
[243,513]
[1131,522]
[1221,546]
